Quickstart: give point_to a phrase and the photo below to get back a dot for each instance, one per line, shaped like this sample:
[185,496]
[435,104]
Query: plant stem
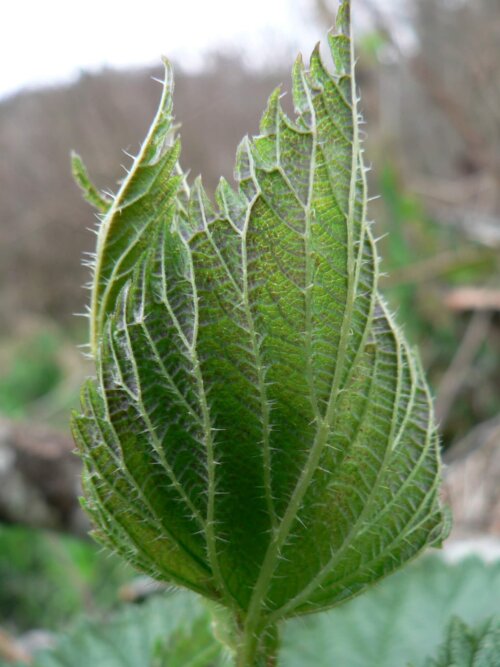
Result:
[258,650]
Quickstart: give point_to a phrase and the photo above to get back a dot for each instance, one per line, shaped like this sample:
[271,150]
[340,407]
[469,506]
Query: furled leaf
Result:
[259,430]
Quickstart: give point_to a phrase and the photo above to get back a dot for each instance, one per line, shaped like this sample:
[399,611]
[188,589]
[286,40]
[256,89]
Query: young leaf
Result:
[144,202]
[259,430]
[90,192]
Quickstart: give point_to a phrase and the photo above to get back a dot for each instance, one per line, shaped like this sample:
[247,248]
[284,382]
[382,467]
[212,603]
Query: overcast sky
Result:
[51,41]
[46,41]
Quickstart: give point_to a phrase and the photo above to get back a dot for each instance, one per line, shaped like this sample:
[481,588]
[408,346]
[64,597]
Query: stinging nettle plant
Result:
[259,431]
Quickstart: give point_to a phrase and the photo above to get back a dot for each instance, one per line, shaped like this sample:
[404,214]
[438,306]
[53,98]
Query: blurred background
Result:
[83,79]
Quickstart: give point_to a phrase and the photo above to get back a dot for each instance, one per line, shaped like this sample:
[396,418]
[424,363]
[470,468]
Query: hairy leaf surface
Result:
[144,202]
[259,430]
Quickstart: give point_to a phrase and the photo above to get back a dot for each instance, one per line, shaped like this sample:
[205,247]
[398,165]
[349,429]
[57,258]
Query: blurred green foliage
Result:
[401,620]
[46,580]
[470,647]
[32,371]
[41,370]
[422,260]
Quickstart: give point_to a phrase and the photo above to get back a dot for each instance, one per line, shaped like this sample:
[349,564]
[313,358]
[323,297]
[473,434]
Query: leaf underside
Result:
[259,430]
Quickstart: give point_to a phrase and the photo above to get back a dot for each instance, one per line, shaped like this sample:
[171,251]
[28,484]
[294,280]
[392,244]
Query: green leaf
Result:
[47,580]
[399,621]
[144,202]
[90,192]
[259,431]
[172,631]
[466,647]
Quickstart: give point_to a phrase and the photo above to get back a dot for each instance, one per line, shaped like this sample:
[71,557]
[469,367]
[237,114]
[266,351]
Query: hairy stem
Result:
[258,649]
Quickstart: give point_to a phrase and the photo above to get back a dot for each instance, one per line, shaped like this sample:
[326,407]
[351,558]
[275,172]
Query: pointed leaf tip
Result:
[90,192]
[301,93]
[316,52]
[169,71]
[201,210]
[343,22]
[243,169]
[269,117]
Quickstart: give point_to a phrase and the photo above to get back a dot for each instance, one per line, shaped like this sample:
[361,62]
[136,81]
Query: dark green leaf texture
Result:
[258,431]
